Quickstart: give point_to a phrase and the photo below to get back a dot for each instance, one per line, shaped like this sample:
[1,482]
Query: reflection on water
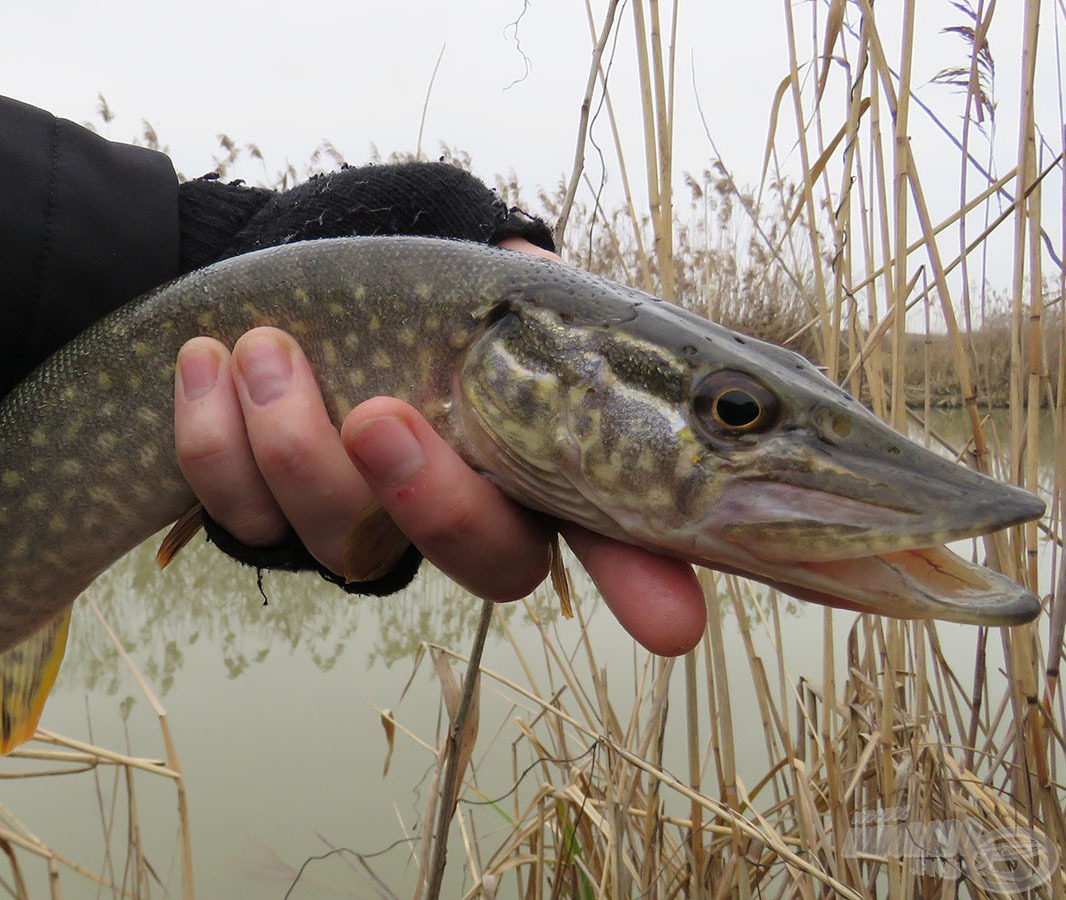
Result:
[953,426]
[203,594]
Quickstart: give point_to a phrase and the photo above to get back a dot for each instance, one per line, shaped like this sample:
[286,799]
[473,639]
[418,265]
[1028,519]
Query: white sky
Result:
[287,76]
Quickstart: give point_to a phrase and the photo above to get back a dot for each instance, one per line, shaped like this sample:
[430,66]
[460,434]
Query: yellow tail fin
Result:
[27,673]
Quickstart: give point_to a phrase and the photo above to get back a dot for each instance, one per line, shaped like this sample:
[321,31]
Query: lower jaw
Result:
[927,583]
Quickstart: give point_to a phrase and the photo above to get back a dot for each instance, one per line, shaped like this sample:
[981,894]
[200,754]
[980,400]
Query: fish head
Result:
[645,422]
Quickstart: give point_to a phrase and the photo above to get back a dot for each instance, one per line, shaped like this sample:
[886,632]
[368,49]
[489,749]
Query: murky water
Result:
[273,711]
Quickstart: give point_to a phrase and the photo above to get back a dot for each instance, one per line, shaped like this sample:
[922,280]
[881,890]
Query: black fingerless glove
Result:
[220,220]
[292,556]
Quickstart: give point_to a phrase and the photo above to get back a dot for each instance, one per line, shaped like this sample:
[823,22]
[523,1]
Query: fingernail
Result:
[198,369]
[265,368]
[388,449]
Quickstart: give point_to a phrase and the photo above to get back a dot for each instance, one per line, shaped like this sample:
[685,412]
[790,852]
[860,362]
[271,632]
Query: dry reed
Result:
[126,870]
[888,743]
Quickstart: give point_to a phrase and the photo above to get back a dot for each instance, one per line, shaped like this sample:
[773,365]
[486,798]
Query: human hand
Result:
[257,446]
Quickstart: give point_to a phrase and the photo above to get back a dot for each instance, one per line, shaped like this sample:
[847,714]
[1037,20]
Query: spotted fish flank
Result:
[580,398]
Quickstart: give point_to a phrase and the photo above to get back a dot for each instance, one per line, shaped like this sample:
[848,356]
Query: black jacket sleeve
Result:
[85,225]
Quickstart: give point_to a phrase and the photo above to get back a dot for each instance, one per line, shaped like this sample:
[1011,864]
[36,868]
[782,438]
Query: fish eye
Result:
[729,402]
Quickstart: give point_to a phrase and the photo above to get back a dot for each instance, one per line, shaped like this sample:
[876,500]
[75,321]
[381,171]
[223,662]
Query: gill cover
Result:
[512,395]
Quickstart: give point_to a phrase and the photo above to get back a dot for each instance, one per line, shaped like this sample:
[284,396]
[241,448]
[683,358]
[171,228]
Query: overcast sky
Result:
[287,76]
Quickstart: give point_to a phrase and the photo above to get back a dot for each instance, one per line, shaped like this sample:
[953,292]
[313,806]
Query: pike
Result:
[580,398]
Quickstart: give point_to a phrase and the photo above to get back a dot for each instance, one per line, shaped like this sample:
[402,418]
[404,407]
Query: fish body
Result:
[87,462]
[579,397]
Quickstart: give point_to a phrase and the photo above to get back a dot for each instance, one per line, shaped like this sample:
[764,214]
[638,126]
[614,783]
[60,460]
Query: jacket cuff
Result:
[86,225]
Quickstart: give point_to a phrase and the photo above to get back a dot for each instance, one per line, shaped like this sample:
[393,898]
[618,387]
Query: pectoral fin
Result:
[181,532]
[27,673]
[375,544]
[561,578]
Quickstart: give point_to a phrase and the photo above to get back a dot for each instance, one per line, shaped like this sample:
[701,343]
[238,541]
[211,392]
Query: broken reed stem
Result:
[623,173]
[1021,656]
[901,157]
[446,801]
[656,107]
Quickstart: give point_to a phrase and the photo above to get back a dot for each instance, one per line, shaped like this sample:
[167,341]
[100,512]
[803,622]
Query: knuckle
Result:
[484,554]
[288,455]
[201,448]
[451,526]
[257,524]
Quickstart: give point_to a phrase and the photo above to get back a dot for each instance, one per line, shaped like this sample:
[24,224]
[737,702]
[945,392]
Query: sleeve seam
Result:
[34,305]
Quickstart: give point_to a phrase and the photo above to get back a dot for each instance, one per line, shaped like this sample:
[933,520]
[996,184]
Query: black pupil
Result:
[737,408]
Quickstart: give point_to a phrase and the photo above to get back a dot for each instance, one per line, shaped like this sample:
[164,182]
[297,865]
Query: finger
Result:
[521,245]
[656,599]
[459,520]
[296,446]
[213,450]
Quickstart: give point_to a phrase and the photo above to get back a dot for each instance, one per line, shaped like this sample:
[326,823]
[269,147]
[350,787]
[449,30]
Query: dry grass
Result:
[126,870]
[594,812]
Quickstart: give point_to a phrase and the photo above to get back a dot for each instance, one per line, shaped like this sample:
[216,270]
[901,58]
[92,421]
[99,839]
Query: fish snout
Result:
[859,497]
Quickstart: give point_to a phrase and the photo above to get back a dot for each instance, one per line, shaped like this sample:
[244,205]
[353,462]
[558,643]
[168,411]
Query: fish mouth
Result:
[852,554]
[923,583]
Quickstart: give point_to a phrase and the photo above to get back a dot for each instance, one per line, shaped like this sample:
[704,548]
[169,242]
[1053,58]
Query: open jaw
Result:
[861,553]
[923,583]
